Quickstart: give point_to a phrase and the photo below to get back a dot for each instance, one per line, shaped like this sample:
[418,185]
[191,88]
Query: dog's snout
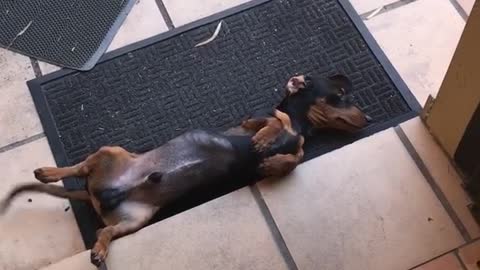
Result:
[368,118]
[295,84]
[298,81]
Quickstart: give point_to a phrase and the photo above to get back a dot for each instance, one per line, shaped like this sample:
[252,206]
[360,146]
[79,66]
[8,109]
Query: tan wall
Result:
[459,94]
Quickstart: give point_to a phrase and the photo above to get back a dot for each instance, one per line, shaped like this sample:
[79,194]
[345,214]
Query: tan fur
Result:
[267,129]
[281,165]
[323,115]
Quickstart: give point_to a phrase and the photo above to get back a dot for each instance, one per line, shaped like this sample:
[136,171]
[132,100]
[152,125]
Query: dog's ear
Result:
[341,84]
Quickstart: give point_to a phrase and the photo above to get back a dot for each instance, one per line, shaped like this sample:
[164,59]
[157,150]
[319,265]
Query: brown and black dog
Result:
[127,189]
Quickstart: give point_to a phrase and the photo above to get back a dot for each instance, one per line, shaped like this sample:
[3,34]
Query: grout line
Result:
[459,9]
[462,264]
[21,142]
[445,253]
[385,8]
[433,259]
[165,15]
[36,67]
[431,181]
[277,235]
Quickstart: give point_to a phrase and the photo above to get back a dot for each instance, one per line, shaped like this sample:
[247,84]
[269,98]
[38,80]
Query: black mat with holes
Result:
[143,95]
[68,33]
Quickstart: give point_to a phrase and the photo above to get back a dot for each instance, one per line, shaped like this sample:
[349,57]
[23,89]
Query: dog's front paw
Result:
[261,145]
[278,165]
[46,174]
[263,140]
[98,255]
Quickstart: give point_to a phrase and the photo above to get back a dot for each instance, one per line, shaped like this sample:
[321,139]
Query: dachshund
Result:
[127,189]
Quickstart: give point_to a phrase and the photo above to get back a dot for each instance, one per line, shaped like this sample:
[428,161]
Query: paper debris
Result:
[215,34]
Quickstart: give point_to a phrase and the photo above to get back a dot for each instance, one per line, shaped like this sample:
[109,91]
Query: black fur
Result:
[110,198]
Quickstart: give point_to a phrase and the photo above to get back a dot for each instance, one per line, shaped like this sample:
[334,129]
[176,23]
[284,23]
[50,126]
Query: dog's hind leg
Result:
[52,174]
[106,235]
[53,190]
[104,158]
[134,215]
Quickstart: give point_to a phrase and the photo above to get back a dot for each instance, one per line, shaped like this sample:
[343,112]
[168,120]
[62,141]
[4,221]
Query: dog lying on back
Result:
[127,189]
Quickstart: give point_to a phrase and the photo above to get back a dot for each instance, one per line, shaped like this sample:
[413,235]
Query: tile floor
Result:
[183,12]
[18,117]
[227,233]
[366,6]
[360,213]
[442,171]
[446,262]
[379,214]
[420,55]
[467,5]
[36,230]
[470,255]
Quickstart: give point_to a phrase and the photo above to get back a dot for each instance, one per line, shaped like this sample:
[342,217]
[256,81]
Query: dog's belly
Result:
[193,160]
[192,149]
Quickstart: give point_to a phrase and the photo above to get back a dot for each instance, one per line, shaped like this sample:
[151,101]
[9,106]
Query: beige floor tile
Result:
[47,68]
[365,206]
[467,5]
[227,233]
[36,233]
[470,255]
[18,117]
[419,46]
[80,261]
[144,21]
[185,11]
[362,6]
[442,171]
[446,262]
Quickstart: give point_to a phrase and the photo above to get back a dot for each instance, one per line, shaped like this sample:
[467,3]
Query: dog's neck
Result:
[300,122]
[301,125]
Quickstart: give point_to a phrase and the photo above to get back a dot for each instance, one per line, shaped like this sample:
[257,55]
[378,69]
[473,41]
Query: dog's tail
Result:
[54,190]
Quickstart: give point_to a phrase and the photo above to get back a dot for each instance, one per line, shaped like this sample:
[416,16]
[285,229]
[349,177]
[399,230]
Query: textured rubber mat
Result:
[145,94]
[68,33]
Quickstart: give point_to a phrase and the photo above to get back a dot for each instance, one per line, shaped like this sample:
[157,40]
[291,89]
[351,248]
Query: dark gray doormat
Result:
[145,94]
[68,33]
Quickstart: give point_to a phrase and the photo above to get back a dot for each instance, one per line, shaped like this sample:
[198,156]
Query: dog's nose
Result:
[368,118]
[295,82]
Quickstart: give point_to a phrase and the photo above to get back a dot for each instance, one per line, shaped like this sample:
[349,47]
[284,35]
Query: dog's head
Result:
[314,102]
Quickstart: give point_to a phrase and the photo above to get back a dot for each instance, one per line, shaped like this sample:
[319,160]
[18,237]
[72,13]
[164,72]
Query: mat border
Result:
[97,55]
[88,225]
[107,40]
